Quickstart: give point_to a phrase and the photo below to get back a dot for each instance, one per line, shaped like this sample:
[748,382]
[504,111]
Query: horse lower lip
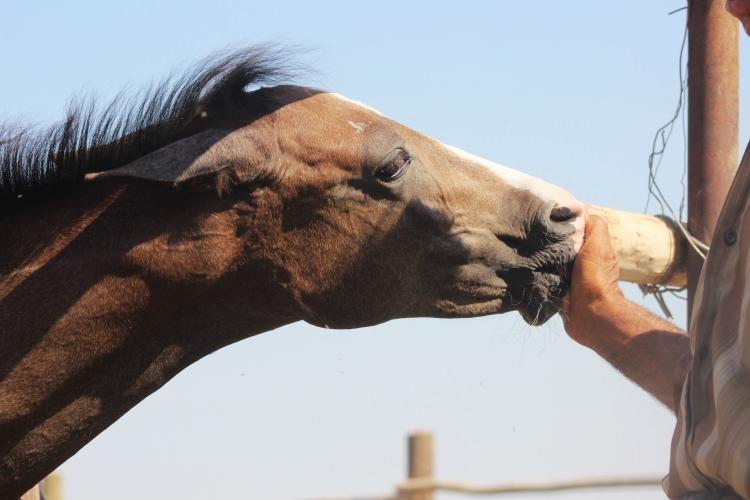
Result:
[537,293]
[537,314]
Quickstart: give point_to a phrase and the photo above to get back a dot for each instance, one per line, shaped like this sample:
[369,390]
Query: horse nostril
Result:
[562,214]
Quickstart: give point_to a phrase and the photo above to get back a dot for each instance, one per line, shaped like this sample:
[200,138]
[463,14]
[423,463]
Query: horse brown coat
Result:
[315,209]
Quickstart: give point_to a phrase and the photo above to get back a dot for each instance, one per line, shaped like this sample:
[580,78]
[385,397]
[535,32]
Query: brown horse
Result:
[141,237]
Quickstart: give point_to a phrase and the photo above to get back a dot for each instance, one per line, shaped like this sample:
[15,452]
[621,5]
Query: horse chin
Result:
[545,299]
[539,295]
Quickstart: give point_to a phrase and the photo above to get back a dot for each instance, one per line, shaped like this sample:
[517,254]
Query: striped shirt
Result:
[711,443]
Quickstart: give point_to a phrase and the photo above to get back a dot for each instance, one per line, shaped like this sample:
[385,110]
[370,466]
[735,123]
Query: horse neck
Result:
[86,334]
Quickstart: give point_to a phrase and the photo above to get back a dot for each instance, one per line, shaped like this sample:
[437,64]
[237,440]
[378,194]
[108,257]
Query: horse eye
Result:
[394,166]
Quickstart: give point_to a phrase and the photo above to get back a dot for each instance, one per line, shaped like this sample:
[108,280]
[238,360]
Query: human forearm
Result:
[647,349]
[650,351]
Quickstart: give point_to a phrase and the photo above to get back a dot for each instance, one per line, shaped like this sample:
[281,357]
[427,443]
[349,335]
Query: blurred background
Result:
[571,92]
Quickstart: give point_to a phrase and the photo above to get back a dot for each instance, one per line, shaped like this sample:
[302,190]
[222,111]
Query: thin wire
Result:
[663,134]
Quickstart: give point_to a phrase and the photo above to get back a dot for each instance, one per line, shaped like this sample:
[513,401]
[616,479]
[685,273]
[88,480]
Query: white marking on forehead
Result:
[356,103]
[508,175]
[359,127]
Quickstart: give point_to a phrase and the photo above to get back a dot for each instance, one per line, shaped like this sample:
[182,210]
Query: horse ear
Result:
[213,160]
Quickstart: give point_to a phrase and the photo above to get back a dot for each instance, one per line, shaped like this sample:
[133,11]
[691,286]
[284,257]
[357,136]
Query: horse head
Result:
[371,220]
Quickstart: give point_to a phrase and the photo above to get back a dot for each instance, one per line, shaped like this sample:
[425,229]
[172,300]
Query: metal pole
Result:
[712,120]
[420,462]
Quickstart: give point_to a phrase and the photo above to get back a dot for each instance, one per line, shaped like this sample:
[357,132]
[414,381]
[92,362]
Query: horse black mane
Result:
[94,138]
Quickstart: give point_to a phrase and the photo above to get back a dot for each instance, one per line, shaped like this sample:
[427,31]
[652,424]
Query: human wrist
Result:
[611,326]
[606,305]
[588,321]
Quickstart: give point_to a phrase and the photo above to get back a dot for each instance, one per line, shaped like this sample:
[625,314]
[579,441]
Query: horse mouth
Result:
[537,293]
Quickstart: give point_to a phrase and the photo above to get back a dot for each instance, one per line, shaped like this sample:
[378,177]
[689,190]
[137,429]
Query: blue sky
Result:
[568,91]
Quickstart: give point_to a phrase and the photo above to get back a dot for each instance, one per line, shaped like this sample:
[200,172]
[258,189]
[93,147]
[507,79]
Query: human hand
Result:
[593,283]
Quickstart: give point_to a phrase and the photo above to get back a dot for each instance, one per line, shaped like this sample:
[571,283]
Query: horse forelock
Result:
[96,138]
